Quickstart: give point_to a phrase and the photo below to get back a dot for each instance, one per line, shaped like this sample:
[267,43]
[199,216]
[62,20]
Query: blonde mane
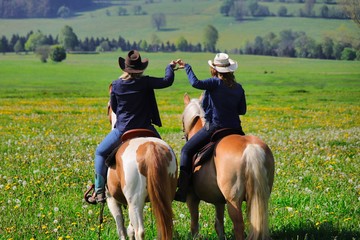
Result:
[191,112]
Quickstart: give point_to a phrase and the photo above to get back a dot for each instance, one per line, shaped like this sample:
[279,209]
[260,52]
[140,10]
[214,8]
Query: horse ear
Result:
[186,99]
[201,96]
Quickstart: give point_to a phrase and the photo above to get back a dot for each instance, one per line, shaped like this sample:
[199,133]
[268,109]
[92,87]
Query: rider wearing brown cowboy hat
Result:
[133,101]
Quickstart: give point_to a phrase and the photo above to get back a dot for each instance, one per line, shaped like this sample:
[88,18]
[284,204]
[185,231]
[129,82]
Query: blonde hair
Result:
[127,76]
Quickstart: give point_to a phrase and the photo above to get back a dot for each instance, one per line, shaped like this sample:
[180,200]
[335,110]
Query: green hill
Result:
[185,18]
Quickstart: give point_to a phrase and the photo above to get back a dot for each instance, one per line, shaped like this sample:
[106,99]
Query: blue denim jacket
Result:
[134,101]
[222,105]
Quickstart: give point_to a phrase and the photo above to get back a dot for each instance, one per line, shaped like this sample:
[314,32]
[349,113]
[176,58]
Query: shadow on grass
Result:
[325,231]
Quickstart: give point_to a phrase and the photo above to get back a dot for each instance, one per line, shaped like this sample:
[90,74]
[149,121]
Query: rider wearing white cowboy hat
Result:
[223,102]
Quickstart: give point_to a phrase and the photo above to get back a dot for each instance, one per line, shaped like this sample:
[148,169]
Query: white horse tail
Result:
[158,158]
[257,191]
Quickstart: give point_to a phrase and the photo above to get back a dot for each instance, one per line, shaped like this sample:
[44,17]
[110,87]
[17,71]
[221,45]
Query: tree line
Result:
[286,44]
[241,9]
[297,44]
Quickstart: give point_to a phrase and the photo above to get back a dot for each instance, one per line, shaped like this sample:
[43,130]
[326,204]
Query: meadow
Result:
[53,115]
[186,18]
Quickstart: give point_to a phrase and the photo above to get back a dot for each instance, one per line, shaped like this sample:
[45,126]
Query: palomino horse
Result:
[143,169]
[241,169]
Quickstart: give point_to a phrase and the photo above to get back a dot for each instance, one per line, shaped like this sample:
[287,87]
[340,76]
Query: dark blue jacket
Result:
[222,104]
[134,101]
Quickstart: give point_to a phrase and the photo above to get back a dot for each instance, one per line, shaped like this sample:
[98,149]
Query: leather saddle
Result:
[139,132]
[205,153]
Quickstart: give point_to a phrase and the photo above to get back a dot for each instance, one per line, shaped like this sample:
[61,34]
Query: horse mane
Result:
[192,111]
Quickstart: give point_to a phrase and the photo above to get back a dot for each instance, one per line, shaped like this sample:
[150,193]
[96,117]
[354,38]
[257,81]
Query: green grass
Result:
[186,18]
[52,116]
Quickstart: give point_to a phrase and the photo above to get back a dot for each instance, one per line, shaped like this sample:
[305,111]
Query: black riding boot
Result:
[183,185]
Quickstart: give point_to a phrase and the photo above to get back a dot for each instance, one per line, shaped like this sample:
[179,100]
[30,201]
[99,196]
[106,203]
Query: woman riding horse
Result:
[223,102]
[133,101]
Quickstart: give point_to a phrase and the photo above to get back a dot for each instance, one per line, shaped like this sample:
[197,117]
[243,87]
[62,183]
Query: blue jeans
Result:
[104,149]
[191,147]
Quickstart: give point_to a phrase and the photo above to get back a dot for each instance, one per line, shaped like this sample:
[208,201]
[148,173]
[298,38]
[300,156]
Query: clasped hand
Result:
[177,64]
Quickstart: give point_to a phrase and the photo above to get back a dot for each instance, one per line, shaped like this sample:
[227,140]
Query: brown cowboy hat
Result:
[133,62]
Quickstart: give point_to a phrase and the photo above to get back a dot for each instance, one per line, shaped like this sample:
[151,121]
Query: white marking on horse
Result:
[138,184]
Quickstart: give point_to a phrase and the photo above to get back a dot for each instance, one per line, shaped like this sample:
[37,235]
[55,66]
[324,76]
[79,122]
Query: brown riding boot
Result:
[183,185]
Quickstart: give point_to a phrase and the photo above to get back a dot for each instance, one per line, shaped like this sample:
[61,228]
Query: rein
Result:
[101,218]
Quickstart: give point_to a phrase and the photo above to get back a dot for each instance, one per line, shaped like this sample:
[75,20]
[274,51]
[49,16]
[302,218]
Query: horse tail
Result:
[159,187]
[257,191]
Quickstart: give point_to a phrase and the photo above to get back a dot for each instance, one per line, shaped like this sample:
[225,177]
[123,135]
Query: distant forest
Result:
[40,8]
[286,44]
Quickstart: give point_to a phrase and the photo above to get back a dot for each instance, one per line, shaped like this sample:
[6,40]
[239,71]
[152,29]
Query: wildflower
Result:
[290,209]
[307,190]
[56,209]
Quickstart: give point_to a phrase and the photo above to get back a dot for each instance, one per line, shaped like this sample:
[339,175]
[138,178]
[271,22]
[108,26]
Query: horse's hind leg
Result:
[219,220]
[235,213]
[116,211]
[136,219]
[193,205]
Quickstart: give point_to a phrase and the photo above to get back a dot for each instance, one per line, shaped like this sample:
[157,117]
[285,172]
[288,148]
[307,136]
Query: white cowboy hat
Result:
[223,64]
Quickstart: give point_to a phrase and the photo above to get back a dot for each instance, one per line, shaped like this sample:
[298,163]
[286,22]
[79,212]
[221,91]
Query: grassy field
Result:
[52,116]
[186,18]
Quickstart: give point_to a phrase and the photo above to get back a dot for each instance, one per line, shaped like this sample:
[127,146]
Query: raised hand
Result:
[181,63]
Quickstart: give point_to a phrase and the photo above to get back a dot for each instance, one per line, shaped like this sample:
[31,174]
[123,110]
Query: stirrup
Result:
[93,198]
[88,195]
